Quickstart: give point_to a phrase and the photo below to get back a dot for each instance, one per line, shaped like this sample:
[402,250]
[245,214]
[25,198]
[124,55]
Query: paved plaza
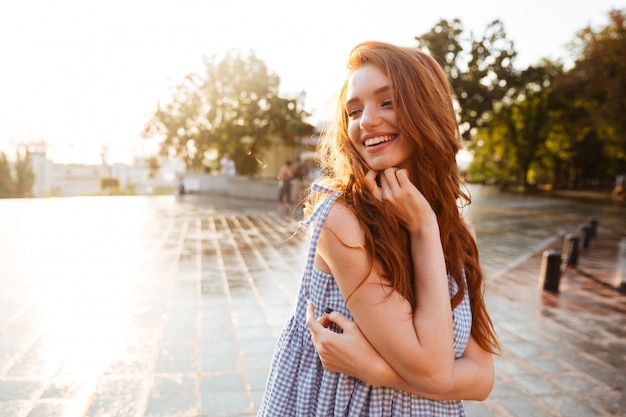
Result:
[165,307]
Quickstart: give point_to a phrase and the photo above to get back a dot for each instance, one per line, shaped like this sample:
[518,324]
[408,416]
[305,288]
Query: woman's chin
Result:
[379,166]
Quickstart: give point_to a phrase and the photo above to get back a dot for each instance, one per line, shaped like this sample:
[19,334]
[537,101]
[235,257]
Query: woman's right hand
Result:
[349,352]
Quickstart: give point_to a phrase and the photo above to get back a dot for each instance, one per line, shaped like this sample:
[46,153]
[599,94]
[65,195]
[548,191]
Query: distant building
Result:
[66,180]
[76,179]
[42,168]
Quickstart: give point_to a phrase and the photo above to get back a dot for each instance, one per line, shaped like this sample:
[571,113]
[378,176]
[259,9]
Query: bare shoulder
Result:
[342,222]
[340,248]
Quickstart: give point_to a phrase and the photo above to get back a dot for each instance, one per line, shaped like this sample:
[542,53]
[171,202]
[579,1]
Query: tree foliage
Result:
[7,183]
[600,72]
[542,123]
[232,107]
[523,122]
[24,175]
[481,69]
[588,139]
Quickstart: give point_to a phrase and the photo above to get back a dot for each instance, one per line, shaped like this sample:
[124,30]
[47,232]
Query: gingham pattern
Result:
[299,386]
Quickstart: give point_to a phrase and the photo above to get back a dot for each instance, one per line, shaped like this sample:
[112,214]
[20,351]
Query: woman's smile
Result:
[378,140]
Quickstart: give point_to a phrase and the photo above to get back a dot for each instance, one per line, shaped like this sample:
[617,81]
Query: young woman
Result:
[391,261]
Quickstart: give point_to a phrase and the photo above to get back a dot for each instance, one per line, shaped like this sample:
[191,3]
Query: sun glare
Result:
[463,159]
[83,281]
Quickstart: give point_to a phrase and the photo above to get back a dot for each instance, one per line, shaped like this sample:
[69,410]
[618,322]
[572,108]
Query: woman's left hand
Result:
[349,352]
[401,196]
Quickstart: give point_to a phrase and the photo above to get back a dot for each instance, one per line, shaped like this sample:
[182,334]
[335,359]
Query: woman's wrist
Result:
[425,229]
[379,373]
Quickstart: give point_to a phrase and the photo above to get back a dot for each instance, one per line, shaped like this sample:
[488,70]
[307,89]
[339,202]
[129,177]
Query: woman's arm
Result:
[350,353]
[419,347]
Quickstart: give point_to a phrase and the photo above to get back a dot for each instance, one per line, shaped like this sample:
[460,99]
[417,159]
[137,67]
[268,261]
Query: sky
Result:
[85,76]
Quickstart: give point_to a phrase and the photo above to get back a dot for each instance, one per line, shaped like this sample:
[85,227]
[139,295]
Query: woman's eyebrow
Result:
[383,89]
[379,90]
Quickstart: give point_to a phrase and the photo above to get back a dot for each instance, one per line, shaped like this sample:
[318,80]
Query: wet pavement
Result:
[153,306]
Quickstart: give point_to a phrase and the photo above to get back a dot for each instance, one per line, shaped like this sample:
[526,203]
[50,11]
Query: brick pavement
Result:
[189,327]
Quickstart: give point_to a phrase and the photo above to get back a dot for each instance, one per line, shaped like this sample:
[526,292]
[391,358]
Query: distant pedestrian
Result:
[286,174]
[180,186]
[227,166]
[300,179]
[619,192]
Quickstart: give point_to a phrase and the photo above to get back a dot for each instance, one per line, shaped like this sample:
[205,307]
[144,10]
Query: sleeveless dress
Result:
[299,386]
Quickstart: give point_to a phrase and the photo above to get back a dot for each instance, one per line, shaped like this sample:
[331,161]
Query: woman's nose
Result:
[369,118]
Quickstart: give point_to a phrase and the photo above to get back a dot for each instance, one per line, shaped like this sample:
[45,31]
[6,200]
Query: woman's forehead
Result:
[366,79]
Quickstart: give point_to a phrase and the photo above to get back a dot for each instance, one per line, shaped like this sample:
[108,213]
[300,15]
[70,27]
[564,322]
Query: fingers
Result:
[395,184]
[315,326]
[388,182]
[391,182]
[370,183]
[337,318]
[329,316]
[402,175]
[311,323]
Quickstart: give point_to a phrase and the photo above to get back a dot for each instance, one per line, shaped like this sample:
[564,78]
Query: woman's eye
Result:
[354,112]
[387,103]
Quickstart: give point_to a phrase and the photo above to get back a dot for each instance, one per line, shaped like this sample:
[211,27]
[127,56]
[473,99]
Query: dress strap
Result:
[318,216]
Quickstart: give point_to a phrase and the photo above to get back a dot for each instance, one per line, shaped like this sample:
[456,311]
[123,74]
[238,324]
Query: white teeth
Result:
[377,140]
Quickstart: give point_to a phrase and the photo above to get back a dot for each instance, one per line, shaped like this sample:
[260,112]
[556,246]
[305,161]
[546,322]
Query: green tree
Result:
[7,183]
[600,72]
[542,123]
[110,185]
[586,145]
[24,175]
[232,107]
[529,123]
[481,69]
[491,156]
[518,129]
[153,166]
[577,151]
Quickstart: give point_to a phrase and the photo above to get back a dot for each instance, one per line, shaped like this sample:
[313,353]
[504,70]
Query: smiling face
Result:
[372,121]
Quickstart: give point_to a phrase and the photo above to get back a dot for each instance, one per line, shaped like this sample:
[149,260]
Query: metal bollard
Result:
[550,271]
[593,225]
[570,250]
[620,273]
[584,233]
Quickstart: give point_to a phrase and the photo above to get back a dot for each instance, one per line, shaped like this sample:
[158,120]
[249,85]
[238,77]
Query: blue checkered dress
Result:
[299,386]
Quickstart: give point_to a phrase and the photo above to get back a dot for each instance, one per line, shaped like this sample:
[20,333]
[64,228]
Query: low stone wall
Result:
[238,186]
